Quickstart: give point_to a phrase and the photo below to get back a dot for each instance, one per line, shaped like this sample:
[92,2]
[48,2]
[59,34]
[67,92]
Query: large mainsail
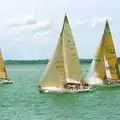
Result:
[64,65]
[105,51]
[110,53]
[3,73]
[71,60]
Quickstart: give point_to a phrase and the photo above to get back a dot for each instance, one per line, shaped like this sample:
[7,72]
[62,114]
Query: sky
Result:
[29,29]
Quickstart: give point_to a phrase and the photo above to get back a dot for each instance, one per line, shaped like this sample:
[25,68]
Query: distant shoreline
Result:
[15,62]
[45,61]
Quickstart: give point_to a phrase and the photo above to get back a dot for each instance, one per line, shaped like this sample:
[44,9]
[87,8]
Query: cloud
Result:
[23,21]
[93,22]
[29,24]
[42,33]
[99,20]
[77,24]
[82,22]
[40,26]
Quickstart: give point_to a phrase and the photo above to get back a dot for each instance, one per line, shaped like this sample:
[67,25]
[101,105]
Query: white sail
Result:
[107,68]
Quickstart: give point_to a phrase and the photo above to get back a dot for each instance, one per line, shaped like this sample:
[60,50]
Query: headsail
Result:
[3,73]
[110,53]
[64,65]
[54,75]
[97,72]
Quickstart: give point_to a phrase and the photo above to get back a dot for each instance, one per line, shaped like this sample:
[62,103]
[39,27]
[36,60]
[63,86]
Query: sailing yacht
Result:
[3,74]
[63,73]
[104,68]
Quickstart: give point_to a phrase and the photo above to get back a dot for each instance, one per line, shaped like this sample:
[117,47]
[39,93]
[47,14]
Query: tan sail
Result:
[54,75]
[97,69]
[110,53]
[64,65]
[3,73]
[71,60]
[99,62]
[96,73]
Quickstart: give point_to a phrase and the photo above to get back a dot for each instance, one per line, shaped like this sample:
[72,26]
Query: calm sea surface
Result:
[22,100]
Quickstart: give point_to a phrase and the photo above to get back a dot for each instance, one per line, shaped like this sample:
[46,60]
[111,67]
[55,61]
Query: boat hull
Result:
[62,90]
[6,81]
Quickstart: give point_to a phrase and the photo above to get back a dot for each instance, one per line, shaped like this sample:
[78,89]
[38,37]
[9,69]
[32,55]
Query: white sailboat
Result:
[104,69]
[3,74]
[63,73]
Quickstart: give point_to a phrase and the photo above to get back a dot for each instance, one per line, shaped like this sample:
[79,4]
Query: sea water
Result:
[22,100]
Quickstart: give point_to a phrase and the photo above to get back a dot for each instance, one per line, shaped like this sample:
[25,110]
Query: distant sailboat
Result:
[104,68]
[3,74]
[63,70]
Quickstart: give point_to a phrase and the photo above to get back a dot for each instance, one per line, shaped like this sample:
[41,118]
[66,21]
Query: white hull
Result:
[6,81]
[62,90]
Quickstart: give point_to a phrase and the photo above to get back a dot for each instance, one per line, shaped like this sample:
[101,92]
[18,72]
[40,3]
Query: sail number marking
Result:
[73,54]
[60,66]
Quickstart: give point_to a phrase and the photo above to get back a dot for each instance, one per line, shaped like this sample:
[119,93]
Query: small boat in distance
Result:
[3,74]
[104,69]
[63,74]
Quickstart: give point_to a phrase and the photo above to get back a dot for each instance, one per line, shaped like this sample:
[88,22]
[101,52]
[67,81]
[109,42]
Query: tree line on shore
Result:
[45,61]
